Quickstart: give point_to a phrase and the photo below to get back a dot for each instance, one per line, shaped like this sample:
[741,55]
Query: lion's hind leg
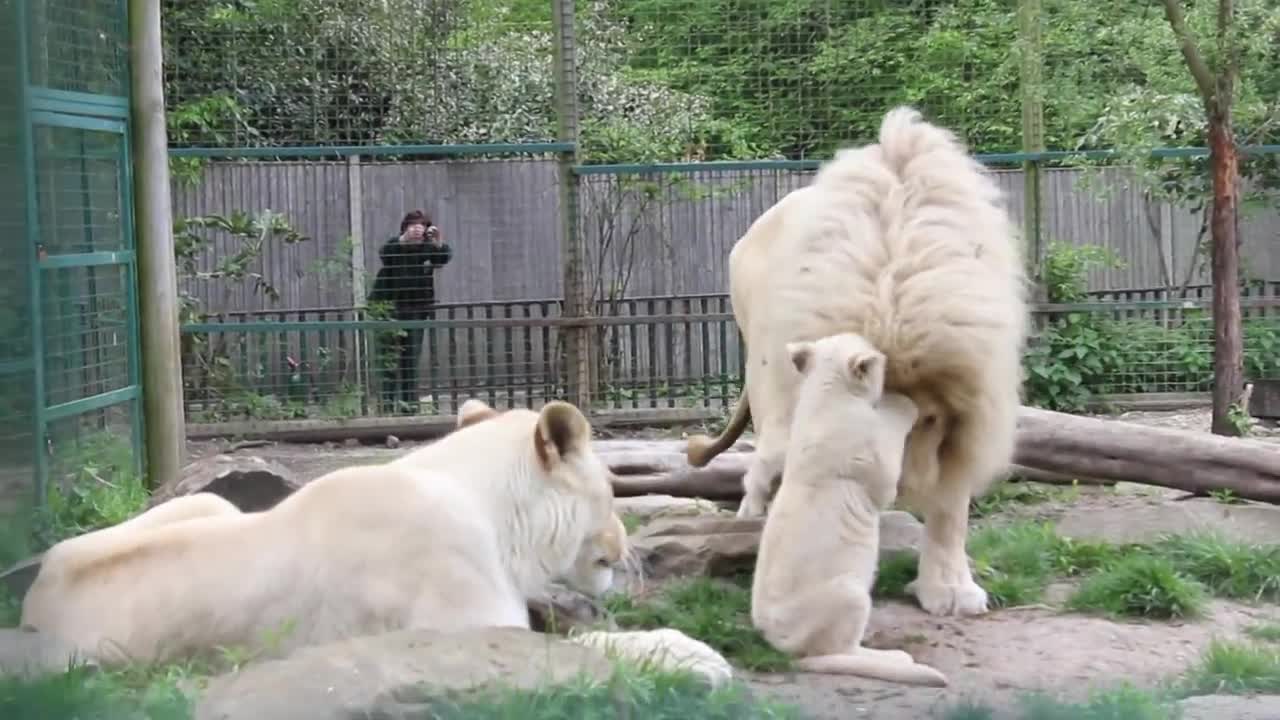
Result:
[862,663]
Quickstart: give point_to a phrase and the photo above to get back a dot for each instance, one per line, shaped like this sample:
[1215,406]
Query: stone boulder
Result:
[723,546]
[27,653]
[248,482]
[396,674]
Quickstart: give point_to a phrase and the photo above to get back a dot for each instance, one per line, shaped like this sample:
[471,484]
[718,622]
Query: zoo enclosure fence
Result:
[671,358]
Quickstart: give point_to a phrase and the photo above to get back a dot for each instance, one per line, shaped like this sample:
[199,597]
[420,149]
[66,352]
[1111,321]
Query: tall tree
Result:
[1217,87]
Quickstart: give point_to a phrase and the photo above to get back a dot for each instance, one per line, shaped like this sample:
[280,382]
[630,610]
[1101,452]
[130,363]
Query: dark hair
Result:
[414,217]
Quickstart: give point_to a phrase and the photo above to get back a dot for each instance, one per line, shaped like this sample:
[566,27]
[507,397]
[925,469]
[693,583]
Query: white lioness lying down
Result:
[906,243]
[811,595]
[358,551]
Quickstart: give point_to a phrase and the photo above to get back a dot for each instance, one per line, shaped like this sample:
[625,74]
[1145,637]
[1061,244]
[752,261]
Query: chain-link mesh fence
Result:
[68,315]
[278,290]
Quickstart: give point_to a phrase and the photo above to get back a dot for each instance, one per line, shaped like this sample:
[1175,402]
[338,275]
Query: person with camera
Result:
[405,287]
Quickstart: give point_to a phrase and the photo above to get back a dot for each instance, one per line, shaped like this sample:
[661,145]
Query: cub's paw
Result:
[962,598]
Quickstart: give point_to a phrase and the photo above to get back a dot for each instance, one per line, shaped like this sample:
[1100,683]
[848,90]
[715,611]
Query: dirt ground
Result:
[1006,653]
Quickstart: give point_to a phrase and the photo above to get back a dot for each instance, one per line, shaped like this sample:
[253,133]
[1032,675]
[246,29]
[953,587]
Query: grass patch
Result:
[1010,494]
[84,694]
[717,612]
[1123,703]
[1233,570]
[1016,562]
[630,693]
[1141,585]
[632,522]
[896,570]
[1266,632]
[1171,578]
[1235,668]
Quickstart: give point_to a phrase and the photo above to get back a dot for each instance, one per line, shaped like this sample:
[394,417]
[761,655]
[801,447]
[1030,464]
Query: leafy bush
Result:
[1080,354]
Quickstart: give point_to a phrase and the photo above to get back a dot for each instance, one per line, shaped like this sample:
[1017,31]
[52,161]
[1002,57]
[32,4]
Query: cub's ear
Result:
[801,354]
[561,431]
[473,411]
[865,364]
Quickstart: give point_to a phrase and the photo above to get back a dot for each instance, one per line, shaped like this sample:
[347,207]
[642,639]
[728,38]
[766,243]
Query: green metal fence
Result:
[665,356]
[69,349]
[673,125]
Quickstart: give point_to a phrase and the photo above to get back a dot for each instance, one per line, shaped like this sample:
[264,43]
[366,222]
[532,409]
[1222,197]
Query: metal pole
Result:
[157,270]
[573,251]
[1030,18]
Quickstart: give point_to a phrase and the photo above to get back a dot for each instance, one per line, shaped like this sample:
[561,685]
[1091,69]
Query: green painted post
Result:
[26,141]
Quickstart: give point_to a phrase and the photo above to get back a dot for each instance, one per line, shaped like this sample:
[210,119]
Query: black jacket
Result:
[407,276]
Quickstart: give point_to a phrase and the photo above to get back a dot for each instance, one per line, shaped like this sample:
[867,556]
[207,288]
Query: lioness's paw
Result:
[963,598]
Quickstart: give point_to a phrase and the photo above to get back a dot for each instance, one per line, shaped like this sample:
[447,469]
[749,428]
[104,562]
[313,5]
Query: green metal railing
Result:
[78,377]
[676,352]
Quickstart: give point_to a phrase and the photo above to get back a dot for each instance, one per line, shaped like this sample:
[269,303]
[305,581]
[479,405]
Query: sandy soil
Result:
[997,657]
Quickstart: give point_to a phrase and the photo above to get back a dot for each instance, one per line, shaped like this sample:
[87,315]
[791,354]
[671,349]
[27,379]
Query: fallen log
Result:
[1052,447]
[1196,462]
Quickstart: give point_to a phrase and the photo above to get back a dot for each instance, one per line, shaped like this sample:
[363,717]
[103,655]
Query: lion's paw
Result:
[962,598]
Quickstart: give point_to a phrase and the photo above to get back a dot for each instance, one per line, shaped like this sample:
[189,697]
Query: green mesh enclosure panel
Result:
[78,178]
[17,397]
[93,446]
[79,45]
[76,241]
[86,330]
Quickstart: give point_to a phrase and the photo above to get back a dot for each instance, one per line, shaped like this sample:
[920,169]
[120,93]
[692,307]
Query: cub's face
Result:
[601,552]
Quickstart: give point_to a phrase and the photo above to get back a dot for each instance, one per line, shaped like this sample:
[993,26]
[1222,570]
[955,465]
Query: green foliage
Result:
[714,611]
[1144,586]
[83,693]
[1235,668]
[249,235]
[629,693]
[1079,354]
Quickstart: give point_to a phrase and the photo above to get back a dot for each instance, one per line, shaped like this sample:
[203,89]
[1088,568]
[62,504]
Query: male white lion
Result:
[811,594]
[906,243]
[358,551]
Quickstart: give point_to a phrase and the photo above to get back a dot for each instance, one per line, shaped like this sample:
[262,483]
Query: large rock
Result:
[719,547]
[395,674]
[27,653]
[249,482]
[17,578]
[1253,523]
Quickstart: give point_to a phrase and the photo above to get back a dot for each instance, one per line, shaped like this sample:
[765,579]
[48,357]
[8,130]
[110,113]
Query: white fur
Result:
[906,243]
[358,551]
[811,594]
[664,648]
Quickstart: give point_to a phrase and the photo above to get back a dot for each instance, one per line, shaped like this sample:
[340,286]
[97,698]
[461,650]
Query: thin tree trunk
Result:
[1228,350]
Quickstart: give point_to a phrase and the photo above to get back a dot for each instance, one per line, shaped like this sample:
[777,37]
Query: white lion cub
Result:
[811,596]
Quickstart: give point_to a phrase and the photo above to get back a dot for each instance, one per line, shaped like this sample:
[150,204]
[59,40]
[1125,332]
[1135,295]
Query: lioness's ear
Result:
[862,365]
[801,354]
[473,411]
[562,430]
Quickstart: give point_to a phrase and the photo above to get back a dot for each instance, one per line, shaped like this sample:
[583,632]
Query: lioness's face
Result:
[601,552]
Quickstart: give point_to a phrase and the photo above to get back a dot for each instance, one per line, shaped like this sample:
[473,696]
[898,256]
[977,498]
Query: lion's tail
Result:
[873,667]
[702,449]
